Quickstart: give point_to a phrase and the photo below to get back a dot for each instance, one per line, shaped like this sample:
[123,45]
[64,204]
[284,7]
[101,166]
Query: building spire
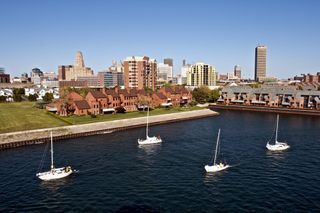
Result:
[79,60]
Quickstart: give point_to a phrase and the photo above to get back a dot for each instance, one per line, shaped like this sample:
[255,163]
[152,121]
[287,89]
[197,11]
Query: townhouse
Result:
[271,96]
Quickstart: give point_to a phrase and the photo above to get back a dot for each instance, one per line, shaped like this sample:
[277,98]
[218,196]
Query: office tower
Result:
[260,62]
[72,72]
[111,78]
[184,62]
[168,61]
[140,72]
[201,74]
[2,70]
[4,78]
[164,72]
[237,71]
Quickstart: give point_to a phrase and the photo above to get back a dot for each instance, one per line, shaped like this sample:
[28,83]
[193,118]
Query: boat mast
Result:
[147,122]
[276,138]
[51,152]
[215,155]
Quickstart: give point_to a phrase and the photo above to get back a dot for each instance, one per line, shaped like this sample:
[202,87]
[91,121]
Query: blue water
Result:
[116,175]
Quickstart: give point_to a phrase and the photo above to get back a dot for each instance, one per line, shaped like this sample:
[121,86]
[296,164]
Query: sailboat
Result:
[54,173]
[216,167]
[277,146]
[149,140]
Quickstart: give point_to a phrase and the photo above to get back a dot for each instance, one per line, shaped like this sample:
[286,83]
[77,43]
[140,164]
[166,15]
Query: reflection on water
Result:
[118,174]
[54,185]
[277,155]
[150,149]
[212,177]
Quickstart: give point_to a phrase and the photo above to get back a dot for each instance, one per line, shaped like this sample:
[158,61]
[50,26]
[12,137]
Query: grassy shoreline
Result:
[24,116]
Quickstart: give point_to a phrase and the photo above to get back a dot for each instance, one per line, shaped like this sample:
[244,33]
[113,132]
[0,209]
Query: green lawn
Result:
[110,117]
[24,116]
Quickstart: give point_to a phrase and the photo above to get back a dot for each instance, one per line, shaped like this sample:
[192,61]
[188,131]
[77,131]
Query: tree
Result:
[148,90]
[47,97]
[201,94]
[17,94]
[167,85]
[17,98]
[18,91]
[120,109]
[255,85]
[214,95]
[32,97]
[3,98]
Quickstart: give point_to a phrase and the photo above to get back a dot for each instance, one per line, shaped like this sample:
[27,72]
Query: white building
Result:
[164,72]
[185,69]
[50,75]
[201,74]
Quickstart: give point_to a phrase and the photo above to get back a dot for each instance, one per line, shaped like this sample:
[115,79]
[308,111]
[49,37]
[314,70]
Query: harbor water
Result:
[115,174]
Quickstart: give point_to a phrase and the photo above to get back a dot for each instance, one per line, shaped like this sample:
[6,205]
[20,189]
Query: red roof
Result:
[98,94]
[131,93]
[112,93]
[142,92]
[73,96]
[82,104]
[160,95]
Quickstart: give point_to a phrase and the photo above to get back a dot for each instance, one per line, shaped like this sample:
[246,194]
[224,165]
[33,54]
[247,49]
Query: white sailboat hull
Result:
[55,173]
[216,167]
[150,140]
[278,146]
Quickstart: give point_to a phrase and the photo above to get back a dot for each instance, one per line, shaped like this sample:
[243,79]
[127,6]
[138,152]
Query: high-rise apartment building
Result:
[237,71]
[140,72]
[72,72]
[201,74]
[260,69]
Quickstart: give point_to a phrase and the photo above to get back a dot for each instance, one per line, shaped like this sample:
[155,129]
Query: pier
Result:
[23,138]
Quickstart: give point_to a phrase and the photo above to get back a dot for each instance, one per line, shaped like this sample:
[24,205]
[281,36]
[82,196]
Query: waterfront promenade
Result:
[15,139]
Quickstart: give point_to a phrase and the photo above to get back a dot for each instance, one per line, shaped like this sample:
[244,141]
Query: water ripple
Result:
[117,175]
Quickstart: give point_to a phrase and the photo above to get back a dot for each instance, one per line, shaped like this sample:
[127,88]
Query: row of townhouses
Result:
[110,100]
[271,96]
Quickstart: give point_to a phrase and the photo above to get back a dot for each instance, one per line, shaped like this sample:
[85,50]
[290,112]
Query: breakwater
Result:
[22,138]
[267,109]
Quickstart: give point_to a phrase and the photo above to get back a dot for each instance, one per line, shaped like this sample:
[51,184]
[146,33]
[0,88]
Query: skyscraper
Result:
[4,78]
[260,62]
[140,72]
[72,72]
[201,74]
[164,72]
[168,61]
[237,71]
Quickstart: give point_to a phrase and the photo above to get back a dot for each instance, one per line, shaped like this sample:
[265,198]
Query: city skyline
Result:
[46,34]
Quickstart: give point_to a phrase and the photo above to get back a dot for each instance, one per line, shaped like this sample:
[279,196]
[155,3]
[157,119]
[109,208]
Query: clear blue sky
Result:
[47,33]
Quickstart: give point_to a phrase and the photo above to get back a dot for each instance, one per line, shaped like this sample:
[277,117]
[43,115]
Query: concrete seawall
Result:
[16,139]
[267,109]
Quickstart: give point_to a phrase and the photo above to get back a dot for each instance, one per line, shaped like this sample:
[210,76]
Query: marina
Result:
[116,174]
